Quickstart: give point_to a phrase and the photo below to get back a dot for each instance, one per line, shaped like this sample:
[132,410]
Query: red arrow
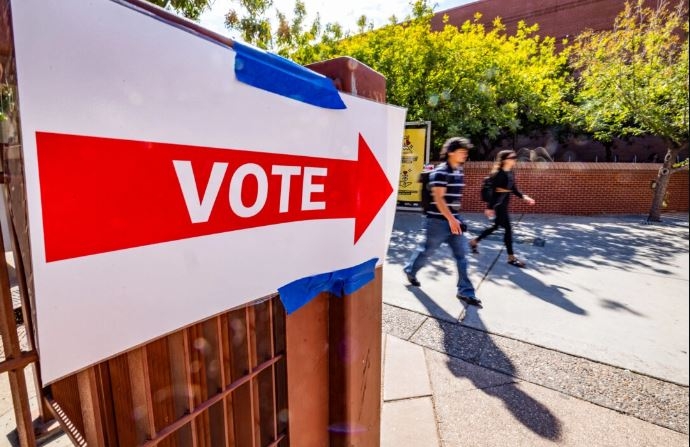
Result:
[101,194]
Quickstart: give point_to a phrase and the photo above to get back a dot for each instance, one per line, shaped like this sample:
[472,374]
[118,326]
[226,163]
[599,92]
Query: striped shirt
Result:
[454,181]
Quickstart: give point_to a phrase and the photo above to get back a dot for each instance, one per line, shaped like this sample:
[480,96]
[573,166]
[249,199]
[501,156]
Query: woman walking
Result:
[503,186]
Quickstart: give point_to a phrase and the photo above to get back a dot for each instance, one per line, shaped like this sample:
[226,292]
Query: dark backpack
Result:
[426,194]
[426,191]
[487,192]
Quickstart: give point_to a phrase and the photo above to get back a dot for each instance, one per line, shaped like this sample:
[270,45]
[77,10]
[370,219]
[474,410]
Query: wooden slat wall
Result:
[220,382]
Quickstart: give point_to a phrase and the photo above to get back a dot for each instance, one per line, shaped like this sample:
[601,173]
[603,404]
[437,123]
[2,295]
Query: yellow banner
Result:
[412,164]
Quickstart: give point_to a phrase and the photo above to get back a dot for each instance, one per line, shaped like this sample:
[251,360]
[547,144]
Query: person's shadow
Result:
[475,346]
[552,294]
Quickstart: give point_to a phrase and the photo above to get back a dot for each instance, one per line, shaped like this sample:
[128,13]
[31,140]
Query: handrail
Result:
[175,20]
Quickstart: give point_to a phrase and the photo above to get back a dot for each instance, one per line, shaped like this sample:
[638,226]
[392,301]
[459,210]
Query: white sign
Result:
[162,191]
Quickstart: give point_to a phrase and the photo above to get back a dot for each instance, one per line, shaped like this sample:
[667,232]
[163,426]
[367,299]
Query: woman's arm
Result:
[516,191]
[524,197]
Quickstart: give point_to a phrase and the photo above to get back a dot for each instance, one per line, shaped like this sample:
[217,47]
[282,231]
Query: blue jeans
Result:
[437,231]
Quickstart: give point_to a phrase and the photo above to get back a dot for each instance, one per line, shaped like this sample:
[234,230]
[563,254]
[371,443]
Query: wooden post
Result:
[307,371]
[8,327]
[10,343]
[91,408]
[44,412]
[355,367]
[333,344]
[355,320]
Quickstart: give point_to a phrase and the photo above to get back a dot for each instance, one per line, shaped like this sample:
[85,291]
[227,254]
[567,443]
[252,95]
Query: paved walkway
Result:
[8,425]
[586,347]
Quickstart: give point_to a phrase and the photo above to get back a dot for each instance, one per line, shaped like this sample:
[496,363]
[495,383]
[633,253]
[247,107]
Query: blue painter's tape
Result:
[339,283]
[281,76]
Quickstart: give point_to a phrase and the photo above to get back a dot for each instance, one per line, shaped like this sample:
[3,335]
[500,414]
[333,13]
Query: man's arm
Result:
[439,192]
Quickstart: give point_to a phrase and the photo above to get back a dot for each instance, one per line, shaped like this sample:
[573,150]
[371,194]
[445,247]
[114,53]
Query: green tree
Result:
[496,85]
[6,100]
[475,81]
[633,80]
[191,9]
[251,20]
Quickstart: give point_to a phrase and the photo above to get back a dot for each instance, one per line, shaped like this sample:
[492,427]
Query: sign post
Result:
[175,195]
[415,155]
[166,211]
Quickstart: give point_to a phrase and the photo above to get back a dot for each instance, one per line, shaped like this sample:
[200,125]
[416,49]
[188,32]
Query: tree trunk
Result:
[609,151]
[484,149]
[662,181]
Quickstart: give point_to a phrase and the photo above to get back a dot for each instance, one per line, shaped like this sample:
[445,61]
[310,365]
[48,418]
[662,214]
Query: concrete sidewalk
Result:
[586,347]
[432,399]
[609,289]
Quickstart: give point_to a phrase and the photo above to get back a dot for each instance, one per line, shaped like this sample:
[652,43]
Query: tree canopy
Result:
[486,83]
[633,79]
[482,82]
[477,81]
[191,9]
[283,36]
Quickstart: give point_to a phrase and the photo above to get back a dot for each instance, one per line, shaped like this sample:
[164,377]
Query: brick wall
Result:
[557,18]
[581,188]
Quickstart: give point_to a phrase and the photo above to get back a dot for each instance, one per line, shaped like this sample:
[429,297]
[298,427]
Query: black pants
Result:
[502,220]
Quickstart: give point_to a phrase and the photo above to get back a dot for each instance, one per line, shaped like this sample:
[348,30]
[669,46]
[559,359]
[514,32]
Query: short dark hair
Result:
[453,144]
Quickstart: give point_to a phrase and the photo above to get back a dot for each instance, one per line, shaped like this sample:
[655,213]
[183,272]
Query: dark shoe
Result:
[473,245]
[412,280]
[470,300]
[516,263]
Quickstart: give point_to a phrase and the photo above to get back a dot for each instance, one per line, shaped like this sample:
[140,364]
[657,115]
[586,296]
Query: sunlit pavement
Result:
[587,346]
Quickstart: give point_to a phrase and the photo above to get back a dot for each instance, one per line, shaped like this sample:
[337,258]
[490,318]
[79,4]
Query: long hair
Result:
[501,159]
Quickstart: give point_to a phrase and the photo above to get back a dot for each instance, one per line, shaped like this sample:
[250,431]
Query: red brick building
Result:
[557,18]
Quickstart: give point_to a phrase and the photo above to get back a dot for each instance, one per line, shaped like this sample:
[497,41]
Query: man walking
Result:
[442,223]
